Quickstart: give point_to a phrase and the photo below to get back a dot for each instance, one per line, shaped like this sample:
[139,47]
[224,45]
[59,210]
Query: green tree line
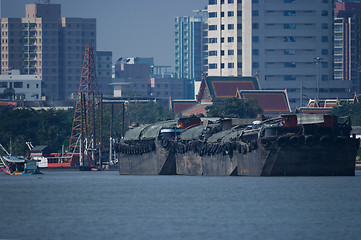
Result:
[53,127]
[43,127]
[235,107]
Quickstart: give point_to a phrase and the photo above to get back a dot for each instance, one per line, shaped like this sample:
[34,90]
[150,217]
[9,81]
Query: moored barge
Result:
[292,145]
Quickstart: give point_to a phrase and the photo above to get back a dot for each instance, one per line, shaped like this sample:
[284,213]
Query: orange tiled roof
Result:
[271,101]
[181,105]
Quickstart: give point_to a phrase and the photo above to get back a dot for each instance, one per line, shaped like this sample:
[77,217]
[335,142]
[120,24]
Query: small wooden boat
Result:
[18,165]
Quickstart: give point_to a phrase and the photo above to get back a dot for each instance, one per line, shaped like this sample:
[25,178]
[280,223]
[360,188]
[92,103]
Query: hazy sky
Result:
[128,28]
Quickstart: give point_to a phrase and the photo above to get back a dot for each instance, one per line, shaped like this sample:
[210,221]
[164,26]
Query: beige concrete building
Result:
[45,44]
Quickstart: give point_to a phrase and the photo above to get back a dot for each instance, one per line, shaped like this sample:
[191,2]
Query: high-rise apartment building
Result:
[347,41]
[288,44]
[103,60]
[45,44]
[190,52]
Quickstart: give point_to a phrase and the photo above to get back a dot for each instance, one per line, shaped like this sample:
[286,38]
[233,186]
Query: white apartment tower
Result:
[287,43]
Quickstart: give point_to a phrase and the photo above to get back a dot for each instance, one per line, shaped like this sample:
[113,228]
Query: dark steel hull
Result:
[157,162]
[301,160]
[212,165]
[245,159]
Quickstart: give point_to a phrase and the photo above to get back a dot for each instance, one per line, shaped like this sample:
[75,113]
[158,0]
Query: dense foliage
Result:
[148,113]
[50,127]
[53,127]
[140,113]
[234,107]
[349,109]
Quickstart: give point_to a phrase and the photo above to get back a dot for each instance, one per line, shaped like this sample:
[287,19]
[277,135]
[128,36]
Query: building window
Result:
[255,39]
[239,1]
[28,85]
[222,27]
[239,26]
[222,40]
[324,64]
[255,65]
[212,14]
[255,51]
[289,26]
[212,27]
[289,64]
[324,1]
[3,85]
[212,2]
[289,78]
[230,39]
[18,85]
[254,1]
[324,13]
[212,40]
[239,39]
[338,51]
[324,51]
[230,1]
[222,14]
[289,39]
[289,13]
[213,66]
[255,13]
[230,13]
[324,26]
[230,52]
[239,52]
[324,77]
[255,25]
[239,13]
[230,26]
[239,65]
[289,1]
[324,39]
[222,1]
[212,53]
[289,52]
[222,52]
[230,65]
[222,65]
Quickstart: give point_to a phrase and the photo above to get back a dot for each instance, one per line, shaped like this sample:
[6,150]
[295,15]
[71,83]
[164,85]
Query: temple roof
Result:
[200,108]
[273,102]
[225,87]
[179,106]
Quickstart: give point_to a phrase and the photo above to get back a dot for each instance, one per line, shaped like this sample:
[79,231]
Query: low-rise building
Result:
[16,86]
[139,78]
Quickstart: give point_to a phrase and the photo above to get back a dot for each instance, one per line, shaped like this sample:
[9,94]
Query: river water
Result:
[105,205]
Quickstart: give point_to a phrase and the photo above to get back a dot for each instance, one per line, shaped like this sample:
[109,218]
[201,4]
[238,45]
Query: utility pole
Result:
[318,61]
[301,94]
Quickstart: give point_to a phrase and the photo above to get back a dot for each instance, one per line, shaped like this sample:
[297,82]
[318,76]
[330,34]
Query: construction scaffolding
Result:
[87,115]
